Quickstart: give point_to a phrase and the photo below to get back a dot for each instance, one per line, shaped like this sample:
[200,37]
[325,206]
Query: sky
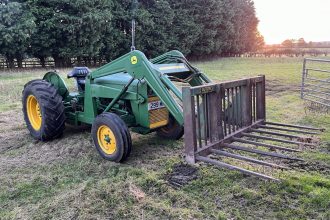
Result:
[293,19]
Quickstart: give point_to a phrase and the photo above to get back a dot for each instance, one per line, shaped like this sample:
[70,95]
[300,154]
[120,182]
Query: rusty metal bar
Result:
[190,128]
[223,110]
[228,112]
[199,122]
[236,108]
[294,126]
[214,116]
[246,105]
[227,138]
[271,146]
[202,89]
[276,139]
[221,121]
[255,151]
[249,159]
[233,109]
[261,99]
[231,167]
[288,130]
[208,113]
[274,133]
[204,101]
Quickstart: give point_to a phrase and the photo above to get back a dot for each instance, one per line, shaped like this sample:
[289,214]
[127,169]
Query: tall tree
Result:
[16,27]
[244,33]
[98,29]
[70,28]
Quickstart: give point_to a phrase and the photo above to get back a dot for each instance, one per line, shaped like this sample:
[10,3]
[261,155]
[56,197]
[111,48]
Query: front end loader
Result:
[219,120]
[130,92]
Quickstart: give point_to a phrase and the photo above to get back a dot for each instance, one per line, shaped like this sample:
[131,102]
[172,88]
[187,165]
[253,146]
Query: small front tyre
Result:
[111,137]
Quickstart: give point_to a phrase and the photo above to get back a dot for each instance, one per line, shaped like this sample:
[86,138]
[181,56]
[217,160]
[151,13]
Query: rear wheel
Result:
[111,137]
[172,130]
[43,110]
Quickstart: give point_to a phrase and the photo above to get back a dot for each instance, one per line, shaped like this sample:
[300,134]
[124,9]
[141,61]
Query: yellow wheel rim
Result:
[106,139]
[34,112]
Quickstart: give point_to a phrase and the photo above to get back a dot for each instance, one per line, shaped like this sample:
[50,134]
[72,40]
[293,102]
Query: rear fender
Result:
[58,83]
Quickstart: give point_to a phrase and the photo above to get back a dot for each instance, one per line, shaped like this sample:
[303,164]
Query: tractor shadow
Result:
[151,147]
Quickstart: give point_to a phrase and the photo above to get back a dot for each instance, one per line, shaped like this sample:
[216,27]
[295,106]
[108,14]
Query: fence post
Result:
[190,141]
[261,99]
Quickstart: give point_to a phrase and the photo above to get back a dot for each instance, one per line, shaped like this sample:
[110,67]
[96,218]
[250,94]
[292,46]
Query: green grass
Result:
[66,178]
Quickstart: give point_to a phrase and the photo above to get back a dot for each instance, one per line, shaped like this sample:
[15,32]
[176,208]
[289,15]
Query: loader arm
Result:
[138,66]
[197,78]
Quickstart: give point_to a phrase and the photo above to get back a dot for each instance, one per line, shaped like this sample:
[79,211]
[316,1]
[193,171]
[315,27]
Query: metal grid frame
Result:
[228,115]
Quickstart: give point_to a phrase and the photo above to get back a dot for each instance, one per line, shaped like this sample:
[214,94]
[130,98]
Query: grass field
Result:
[67,179]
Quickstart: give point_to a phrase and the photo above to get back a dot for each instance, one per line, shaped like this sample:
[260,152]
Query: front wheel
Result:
[173,130]
[111,137]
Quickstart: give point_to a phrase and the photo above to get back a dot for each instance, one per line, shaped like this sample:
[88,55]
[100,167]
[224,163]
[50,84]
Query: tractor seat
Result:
[80,74]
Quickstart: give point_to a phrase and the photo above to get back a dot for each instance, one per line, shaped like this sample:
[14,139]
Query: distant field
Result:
[67,179]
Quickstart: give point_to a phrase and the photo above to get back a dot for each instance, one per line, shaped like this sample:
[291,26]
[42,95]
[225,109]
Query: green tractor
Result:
[129,92]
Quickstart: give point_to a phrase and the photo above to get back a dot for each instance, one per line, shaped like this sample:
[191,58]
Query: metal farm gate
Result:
[315,86]
[229,118]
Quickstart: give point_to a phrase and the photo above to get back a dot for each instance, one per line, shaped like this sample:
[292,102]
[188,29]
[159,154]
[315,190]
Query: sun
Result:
[293,19]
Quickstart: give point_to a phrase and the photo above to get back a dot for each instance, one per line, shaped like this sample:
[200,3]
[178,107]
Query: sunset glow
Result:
[293,19]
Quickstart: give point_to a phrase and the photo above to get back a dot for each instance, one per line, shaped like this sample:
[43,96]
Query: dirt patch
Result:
[19,149]
[136,192]
[274,86]
[181,175]
[315,108]
[313,140]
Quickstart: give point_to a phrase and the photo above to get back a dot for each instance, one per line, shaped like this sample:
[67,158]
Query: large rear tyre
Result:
[172,130]
[43,110]
[111,137]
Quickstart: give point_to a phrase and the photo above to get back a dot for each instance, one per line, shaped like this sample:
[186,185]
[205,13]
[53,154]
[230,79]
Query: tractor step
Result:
[226,123]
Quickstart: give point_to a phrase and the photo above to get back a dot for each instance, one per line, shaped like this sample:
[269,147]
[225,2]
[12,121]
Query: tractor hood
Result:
[120,79]
[171,68]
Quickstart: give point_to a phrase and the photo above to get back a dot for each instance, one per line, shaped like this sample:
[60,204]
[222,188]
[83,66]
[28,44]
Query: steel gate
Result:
[315,86]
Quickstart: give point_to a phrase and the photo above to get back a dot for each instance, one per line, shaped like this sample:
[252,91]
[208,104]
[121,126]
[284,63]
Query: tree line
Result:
[91,30]
[296,48]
